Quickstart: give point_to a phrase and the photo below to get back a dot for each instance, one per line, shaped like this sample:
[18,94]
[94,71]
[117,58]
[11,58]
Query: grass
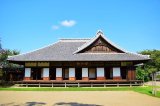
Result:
[144,90]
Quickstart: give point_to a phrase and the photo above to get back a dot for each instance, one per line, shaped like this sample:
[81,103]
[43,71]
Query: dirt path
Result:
[76,98]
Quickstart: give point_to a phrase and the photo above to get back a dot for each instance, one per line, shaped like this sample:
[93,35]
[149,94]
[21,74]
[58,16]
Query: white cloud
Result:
[65,23]
[55,27]
[68,23]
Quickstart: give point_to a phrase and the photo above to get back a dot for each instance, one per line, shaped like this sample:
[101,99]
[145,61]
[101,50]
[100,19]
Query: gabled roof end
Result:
[98,34]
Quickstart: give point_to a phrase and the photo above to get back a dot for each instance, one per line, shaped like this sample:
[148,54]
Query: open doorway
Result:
[123,72]
[108,73]
[52,73]
[36,73]
[78,73]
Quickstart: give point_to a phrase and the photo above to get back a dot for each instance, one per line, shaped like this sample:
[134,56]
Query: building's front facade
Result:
[72,60]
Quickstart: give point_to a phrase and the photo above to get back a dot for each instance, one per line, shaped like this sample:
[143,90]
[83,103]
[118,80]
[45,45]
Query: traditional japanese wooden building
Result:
[96,59]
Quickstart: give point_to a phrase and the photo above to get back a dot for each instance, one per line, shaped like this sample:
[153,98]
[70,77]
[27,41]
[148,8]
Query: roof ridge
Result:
[74,40]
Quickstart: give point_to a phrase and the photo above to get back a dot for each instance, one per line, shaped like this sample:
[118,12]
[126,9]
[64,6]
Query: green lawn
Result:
[145,90]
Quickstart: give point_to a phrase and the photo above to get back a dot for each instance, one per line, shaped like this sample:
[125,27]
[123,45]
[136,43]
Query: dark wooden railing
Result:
[78,83]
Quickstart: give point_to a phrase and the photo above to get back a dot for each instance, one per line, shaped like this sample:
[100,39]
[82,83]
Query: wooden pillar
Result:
[72,74]
[116,73]
[100,74]
[27,74]
[85,74]
[131,75]
[59,74]
[45,73]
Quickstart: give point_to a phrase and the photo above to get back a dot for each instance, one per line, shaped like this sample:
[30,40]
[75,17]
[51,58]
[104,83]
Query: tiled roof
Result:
[67,50]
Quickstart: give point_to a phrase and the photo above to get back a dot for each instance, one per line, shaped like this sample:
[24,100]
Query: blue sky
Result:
[26,25]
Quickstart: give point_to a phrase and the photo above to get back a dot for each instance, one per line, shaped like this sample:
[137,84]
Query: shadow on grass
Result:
[150,92]
[73,104]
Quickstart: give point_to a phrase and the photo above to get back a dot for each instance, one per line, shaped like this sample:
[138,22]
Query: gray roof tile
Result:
[64,50]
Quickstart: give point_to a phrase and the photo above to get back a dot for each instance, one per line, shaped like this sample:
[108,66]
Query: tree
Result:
[4,55]
[153,65]
[5,66]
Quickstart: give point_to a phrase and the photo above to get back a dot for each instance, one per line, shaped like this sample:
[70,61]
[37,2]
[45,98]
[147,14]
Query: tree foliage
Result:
[4,55]
[141,74]
[151,66]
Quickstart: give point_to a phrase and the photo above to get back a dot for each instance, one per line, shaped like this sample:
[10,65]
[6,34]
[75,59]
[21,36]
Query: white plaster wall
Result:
[100,72]
[45,72]
[116,72]
[84,72]
[58,72]
[71,72]
[27,72]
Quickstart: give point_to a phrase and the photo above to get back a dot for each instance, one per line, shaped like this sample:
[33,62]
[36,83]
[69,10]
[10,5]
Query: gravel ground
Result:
[76,98]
